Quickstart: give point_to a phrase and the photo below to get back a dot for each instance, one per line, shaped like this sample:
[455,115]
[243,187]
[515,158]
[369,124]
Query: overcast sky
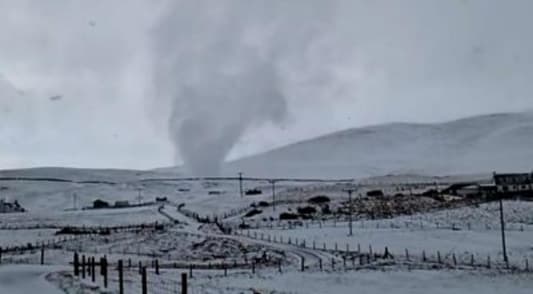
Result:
[79,80]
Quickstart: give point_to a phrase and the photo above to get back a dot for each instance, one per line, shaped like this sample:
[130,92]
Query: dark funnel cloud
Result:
[222,67]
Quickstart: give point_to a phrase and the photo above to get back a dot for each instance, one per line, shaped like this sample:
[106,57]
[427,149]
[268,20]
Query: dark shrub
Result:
[375,193]
[98,203]
[288,216]
[306,210]
[253,192]
[263,204]
[321,199]
[244,226]
[326,209]
[253,212]
[431,193]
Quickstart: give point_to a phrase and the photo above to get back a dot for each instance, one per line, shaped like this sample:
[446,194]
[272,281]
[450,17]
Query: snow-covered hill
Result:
[481,144]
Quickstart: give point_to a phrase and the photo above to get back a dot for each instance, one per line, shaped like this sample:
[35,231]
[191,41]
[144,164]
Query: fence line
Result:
[383,224]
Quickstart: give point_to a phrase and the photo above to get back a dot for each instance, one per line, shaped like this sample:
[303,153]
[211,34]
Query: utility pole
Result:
[273,182]
[139,196]
[350,225]
[502,223]
[74,201]
[240,184]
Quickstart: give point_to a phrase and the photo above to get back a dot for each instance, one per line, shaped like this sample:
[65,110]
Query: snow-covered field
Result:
[185,241]
[20,237]
[103,217]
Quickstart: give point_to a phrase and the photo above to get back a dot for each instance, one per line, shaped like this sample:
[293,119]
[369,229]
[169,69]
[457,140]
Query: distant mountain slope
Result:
[79,174]
[478,144]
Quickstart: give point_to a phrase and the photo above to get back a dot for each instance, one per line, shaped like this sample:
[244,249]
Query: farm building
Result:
[514,184]
[469,191]
[7,207]
[122,203]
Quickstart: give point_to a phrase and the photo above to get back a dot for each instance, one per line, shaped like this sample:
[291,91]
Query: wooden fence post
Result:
[454,260]
[120,277]
[157,266]
[83,264]
[472,260]
[144,281]
[406,254]
[344,262]
[332,264]
[184,283]
[424,259]
[76,263]
[279,266]
[303,264]
[42,255]
[190,270]
[439,260]
[103,267]
[93,269]
[320,264]
[387,253]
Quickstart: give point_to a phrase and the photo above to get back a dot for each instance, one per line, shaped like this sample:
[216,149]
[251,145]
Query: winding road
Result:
[312,257]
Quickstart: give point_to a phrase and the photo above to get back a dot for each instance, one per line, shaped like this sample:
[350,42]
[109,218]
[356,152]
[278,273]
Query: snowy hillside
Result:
[481,144]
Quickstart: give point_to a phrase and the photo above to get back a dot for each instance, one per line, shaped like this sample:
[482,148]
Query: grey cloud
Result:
[325,65]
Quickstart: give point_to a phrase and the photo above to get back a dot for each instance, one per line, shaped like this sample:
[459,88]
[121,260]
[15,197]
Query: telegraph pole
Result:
[74,201]
[139,196]
[240,184]
[502,224]
[273,182]
[350,226]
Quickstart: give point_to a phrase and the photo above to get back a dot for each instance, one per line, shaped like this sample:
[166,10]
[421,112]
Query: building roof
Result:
[513,179]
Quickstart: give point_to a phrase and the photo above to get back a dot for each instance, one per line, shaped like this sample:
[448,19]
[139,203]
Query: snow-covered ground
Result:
[470,145]
[99,217]
[21,237]
[26,279]
[365,281]
[187,241]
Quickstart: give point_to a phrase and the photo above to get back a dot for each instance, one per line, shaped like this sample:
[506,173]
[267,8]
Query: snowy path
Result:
[19,279]
[312,257]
